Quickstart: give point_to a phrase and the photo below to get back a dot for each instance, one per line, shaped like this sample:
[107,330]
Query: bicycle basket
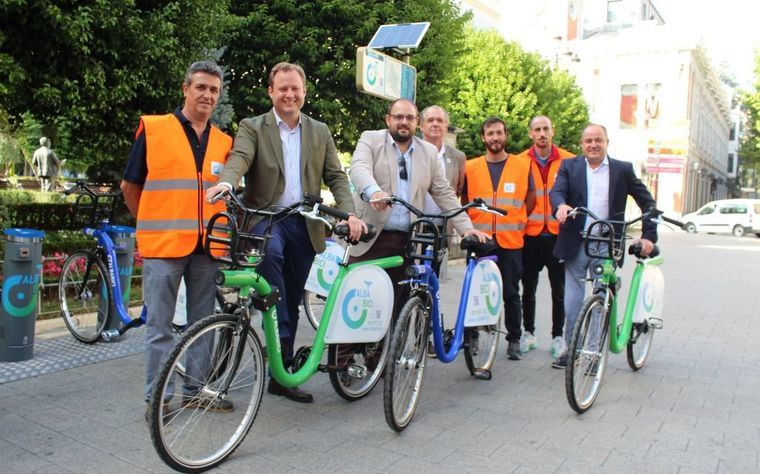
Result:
[90,210]
[424,234]
[226,243]
[602,241]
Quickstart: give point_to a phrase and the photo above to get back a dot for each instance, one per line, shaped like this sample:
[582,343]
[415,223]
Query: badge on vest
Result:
[509,187]
[216,168]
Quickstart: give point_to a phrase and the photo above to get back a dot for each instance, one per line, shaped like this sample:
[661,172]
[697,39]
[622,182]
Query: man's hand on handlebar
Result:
[212,193]
[379,201]
[562,212]
[481,236]
[646,245]
[357,226]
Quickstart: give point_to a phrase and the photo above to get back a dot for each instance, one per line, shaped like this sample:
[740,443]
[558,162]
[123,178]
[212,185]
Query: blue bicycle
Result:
[89,289]
[477,323]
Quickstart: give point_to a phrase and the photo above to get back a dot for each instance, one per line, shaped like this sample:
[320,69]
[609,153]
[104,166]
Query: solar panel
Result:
[402,36]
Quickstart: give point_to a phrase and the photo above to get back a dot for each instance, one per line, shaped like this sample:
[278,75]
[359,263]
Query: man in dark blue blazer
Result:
[601,184]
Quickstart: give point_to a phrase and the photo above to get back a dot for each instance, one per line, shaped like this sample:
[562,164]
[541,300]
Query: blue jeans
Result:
[576,272]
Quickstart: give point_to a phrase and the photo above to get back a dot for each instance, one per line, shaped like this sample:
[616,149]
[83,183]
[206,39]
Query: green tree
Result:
[88,69]
[749,151]
[322,36]
[495,77]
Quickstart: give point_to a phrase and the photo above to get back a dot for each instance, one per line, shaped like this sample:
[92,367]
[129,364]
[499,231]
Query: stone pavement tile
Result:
[464,460]
[87,459]
[699,461]
[634,463]
[478,444]
[32,436]
[56,418]
[430,451]
[465,420]
[692,433]
[265,422]
[742,441]
[730,466]
[743,456]
[245,462]
[311,460]
[408,464]
[361,453]
[314,439]
[746,426]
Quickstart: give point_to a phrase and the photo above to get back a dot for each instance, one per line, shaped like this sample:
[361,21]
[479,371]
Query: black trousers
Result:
[510,266]
[537,254]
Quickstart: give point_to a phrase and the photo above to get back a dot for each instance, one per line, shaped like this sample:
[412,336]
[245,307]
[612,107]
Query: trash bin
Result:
[124,243]
[22,269]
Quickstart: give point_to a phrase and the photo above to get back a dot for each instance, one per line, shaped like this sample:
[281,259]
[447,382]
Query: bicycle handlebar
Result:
[478,203]
[82,186]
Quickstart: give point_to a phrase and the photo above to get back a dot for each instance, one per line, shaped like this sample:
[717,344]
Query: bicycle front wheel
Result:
[639,345]
[480,344]
[198,422]
[406,365]
[84,295]
[360,367]
[313,306]
[587,354]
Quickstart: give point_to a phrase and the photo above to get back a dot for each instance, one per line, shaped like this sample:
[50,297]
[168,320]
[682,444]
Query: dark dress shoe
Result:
[295,394]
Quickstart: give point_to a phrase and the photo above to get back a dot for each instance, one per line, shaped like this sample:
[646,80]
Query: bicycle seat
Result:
[342,230]
[472,244]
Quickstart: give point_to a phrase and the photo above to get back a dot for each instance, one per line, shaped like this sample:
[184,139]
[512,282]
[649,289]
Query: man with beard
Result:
[395,162]
[504,181]
[541,235]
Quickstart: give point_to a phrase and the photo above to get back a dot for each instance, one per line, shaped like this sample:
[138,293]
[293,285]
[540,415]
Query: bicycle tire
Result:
[584,350]
[192,434]
[405,370]
[480,345]
[313,306]
[639,346]
[85,306]
[365,354]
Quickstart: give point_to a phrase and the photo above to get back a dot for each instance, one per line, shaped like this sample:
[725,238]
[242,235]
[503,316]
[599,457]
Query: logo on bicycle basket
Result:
[20,294]
[325,283]
[356,305]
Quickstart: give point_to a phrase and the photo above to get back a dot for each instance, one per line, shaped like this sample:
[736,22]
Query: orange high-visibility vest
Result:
[173,212]
[509,195]
[542,213]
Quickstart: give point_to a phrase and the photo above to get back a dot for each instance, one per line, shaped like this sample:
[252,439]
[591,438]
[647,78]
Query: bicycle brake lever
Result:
[313,215]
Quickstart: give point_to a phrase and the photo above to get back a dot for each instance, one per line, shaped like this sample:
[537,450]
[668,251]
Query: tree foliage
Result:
[495,77]
[88,69]
[322,36]
[749,151]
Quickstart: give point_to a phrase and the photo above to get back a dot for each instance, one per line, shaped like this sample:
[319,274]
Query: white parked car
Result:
[735,216]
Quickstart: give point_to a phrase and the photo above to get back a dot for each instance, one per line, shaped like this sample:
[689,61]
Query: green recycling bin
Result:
[22,270]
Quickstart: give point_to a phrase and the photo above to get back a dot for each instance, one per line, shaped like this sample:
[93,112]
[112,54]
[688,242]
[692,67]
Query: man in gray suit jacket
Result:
[285,154]
[395,162]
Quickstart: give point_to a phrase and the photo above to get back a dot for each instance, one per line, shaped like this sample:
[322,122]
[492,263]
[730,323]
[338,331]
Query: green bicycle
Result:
[597,329]
[198,423]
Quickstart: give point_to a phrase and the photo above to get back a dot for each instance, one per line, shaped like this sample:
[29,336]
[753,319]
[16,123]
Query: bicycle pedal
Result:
[110,335]
[482,374]
[654,323]
[356,371]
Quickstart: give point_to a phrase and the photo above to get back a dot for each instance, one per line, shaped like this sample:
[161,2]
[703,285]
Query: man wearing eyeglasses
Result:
[394,161]
[601,184]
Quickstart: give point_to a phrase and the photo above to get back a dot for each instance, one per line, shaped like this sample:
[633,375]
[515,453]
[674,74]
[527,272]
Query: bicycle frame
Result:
[107,247]
[425,277]
[248,281]
[620,334]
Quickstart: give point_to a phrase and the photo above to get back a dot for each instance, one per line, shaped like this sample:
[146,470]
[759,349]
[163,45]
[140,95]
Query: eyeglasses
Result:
[401,117]
[402,168]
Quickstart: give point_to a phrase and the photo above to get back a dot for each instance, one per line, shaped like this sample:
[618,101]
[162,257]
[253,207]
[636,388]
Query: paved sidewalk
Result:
[693,408]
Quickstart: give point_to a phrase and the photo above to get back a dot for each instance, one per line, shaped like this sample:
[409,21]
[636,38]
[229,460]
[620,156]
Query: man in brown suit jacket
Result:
[285,154]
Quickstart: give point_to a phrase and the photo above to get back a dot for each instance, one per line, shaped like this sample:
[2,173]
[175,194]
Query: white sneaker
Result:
[558,347]
[528,342]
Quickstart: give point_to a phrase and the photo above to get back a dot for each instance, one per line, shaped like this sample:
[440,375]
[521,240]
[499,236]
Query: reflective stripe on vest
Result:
[173,214]
[508,229]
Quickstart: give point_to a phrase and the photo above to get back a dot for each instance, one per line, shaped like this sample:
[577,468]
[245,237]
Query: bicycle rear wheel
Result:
[371,357]
[198,422]
[313,306]
[587,354]
[639,345]
[480,344]
[85,305]
[405,369]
